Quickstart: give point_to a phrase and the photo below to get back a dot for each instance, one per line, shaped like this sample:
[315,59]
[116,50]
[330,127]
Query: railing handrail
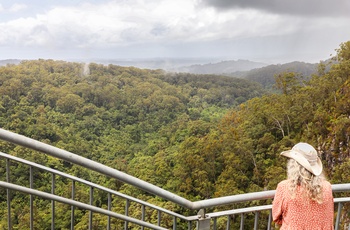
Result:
[91,184]
[98,167]
[254,209]
[145,186]
[64,200]
[92,165]
[130,219]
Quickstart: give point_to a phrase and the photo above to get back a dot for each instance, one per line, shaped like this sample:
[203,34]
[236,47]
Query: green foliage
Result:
[142,122]
[199,136]
[266,75]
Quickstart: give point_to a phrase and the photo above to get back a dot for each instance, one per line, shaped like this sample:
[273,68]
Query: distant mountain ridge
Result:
[266,75]
[223,67]
[254,71]
[9,61]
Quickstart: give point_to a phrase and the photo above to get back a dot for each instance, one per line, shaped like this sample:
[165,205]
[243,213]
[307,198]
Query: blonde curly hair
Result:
[299,176]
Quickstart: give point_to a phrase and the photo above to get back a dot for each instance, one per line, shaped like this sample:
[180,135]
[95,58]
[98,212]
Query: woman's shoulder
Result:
[283,184]
[326,184]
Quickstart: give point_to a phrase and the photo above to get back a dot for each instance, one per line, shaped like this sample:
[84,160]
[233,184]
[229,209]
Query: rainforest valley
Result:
[199,136]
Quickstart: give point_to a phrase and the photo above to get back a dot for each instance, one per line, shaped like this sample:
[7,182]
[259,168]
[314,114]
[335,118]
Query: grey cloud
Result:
[310,8]
[39,29]
[159,30]
[130,35]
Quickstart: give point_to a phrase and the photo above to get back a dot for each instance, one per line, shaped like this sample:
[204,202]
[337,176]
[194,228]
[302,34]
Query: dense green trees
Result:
[199,136]
[142,122]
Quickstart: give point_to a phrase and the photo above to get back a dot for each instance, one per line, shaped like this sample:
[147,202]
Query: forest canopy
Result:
[199,136]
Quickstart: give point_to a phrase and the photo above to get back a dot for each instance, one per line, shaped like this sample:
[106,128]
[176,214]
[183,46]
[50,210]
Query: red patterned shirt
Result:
[301,213]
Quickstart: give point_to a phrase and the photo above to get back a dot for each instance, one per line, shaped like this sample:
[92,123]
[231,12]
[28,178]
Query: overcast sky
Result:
[270,31]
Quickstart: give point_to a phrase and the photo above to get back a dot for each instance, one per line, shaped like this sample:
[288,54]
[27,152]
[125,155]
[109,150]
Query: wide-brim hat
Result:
[306,155]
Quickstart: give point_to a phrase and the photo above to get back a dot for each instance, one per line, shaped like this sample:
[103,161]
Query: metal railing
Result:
[74,180]
[260,215]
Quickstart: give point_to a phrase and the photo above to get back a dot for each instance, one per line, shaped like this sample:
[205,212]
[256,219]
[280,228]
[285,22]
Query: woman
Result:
[304,200]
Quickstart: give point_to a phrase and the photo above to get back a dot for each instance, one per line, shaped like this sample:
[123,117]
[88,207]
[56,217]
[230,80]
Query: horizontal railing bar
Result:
[50,196]
[342,200]
[341,187]
[233,211]
[77,179]
[234,199]
[264,195]
[253,209]
[241,210]
[90,164]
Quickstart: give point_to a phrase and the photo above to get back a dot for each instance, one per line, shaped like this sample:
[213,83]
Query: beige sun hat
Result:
[306,155]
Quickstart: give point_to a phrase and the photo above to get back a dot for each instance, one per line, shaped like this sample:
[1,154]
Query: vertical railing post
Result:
[127,203]
[203,222]
[215,223]
[256,220]
[242,221]
[228,223]
[159,216]
[109,209]
[53,185]
[337,222]
[174,223]
[189,225]
[9,222]
[72,208]
[91,203]
[269,220]
[142,215]
[31,197]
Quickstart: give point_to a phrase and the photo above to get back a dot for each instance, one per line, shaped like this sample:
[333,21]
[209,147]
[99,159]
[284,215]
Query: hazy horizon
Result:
[254,30]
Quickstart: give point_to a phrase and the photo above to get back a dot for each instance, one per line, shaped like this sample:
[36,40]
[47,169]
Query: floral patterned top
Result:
[301,213]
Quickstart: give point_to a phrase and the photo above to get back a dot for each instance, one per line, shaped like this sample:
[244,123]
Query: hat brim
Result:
[315,168]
